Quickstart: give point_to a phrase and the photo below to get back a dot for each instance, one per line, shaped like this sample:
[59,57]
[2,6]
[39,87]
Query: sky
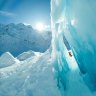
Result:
[25,11]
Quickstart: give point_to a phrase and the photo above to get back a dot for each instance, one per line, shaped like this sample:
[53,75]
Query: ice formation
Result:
[76,21]
[73,35]
[25,55]
[7,59]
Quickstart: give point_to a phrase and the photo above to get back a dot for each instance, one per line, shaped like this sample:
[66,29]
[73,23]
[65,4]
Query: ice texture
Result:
[76,21]
[7,59]
[32,77]
[25,55]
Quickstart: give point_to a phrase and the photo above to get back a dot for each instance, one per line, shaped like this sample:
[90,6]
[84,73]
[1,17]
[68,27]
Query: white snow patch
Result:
[34,77]
[25,55]
[7,59]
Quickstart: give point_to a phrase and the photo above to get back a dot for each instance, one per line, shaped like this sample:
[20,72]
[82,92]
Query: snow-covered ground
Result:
[7,60]
[26,55]
[33,73]
[34,76]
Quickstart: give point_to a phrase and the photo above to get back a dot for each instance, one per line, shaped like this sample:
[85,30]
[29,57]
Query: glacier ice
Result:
[76,20]
[7,59]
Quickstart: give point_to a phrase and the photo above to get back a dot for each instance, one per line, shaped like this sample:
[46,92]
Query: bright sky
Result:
[25,11]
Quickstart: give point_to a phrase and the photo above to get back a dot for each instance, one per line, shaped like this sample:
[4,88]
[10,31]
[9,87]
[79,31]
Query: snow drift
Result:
[7,59]
[25,55]
[33,77]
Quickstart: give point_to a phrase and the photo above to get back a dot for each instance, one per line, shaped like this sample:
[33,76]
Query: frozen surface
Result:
[36,77]
[57,74]
[33,77]
[7,59]
[25,55]
[76,21]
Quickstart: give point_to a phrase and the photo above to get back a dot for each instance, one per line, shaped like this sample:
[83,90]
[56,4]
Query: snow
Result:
[25,55]
[56,73]
[19,38]
[34,77]
[7,59]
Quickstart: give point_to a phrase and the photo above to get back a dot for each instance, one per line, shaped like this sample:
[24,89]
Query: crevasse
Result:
[74,20]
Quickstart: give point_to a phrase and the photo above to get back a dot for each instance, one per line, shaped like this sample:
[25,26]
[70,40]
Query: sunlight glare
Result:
[40,26]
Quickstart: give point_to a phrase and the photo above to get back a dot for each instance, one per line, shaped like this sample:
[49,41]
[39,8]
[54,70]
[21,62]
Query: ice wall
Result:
[76,20]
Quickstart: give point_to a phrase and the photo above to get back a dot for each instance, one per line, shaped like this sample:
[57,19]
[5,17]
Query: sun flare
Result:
[40,26]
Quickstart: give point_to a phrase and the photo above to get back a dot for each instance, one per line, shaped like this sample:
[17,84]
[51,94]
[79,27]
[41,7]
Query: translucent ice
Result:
[76,20]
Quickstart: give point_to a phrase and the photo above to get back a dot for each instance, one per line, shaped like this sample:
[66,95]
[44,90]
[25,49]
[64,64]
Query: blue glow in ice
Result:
[76,20]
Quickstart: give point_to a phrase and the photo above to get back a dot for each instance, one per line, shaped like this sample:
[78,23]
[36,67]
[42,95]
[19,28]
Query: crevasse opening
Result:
[73,27]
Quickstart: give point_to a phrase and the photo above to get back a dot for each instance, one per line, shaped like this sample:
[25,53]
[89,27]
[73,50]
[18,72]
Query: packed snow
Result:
[36,76]
[33,77]
[26,55]
[7,59]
